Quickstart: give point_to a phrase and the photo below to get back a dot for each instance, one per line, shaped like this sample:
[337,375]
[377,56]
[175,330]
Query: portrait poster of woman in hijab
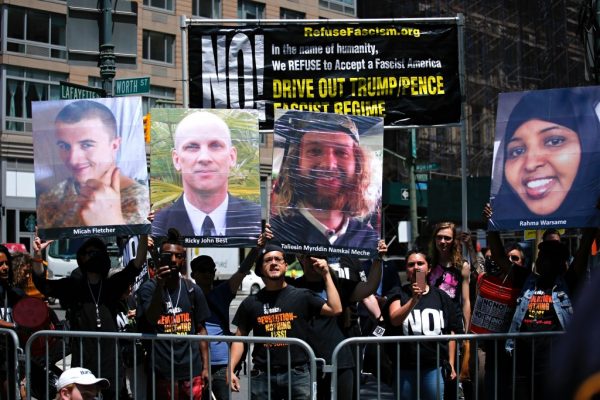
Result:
[546,170]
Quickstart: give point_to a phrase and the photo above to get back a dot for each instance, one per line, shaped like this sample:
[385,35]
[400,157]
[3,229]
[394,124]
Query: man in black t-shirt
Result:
[280,310]
[326,333]
[169,303]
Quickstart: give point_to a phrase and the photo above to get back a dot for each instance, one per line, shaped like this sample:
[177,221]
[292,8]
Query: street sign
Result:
[405,194]
[72,91]
[422,177]
[129,86]
[427,167]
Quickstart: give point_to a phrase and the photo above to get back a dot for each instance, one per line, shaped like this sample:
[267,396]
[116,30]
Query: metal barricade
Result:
[498,383]
[110,345]
[9,348]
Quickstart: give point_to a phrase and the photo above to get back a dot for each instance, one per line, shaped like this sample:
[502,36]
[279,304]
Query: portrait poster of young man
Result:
[546,171]
[326,195]
[206,176]
[91,177]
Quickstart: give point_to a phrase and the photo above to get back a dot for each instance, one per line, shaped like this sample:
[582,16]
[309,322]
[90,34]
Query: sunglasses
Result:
[514,258]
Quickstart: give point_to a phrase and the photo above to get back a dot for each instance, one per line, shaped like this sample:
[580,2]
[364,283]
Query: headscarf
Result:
[574,110]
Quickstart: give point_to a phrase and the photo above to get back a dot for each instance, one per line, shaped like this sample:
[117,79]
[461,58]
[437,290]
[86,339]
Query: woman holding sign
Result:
[420,309]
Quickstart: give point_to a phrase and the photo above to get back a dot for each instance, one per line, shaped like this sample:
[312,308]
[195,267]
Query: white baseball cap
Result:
[81,376]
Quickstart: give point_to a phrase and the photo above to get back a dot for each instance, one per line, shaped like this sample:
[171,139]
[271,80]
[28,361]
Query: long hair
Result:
[455,256]
[21,266]
[4,249]
[288,187]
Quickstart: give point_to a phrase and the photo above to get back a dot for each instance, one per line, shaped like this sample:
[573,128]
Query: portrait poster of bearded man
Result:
[326,194]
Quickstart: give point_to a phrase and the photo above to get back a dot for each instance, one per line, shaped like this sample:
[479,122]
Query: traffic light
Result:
[147,125]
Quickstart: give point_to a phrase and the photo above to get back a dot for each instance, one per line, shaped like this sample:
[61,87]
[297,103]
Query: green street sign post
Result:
[73,91]
[130,86]
[427,167]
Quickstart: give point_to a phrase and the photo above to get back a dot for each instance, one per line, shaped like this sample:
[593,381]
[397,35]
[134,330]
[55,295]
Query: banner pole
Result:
[184,62]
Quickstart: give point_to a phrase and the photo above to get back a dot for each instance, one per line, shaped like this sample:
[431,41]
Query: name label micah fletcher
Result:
[95,231]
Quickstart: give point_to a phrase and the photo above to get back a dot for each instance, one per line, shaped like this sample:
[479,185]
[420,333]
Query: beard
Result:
[324,198]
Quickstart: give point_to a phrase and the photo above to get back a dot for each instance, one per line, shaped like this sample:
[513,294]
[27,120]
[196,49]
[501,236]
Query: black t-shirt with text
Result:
[433,315]
[278,314]
[177,317]
[326,332]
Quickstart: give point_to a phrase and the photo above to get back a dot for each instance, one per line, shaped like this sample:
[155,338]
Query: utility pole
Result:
[107,48]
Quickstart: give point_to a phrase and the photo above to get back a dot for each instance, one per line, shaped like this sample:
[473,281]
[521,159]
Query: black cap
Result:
[294,124]
[203,263]
[269,247]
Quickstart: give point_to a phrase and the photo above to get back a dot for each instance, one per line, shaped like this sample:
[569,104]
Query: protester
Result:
[280,310]
[96,193]
[80,384]
[325,333]
[90,299]
[545,305]
[321,195]
[498,289]
[205,156]
[169,303]
[414,310]
[219,299]
[9,296]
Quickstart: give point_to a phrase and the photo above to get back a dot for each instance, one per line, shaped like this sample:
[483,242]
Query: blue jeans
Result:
[429,390]
[281,382]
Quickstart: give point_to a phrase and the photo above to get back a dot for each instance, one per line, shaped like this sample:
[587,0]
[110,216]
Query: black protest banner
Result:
[406,73]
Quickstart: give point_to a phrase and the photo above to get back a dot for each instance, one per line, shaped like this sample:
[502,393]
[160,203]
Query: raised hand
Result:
[100,200]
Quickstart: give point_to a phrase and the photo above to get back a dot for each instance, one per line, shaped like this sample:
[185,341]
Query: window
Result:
[36,33]
[250,10]
[347,7]
[24,86]
[206,8]
[162,4]
[159,97]
[158,47]
[284,13]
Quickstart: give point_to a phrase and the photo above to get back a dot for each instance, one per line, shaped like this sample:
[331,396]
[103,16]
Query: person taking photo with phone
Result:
[169,303]
[420,309]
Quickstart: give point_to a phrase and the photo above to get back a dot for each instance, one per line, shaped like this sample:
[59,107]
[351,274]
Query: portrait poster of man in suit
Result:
[205,179]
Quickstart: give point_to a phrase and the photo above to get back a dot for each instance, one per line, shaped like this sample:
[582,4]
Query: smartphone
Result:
[165,259]
[420,278]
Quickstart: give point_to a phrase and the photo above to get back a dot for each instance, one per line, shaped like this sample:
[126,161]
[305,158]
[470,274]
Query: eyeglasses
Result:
[5,262]
[272,259]
[413,263]
[445,238]
[514,258]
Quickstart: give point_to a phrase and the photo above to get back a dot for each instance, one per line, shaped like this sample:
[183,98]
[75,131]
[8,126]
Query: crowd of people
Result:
[445,293]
